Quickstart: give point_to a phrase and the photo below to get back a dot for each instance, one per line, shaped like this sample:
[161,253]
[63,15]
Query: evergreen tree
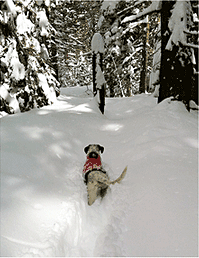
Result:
[27,78]
[177,77]
[75,23]
[125,43]
[178,53]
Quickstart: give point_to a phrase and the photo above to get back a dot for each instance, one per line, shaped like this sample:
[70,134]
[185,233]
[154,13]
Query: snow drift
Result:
[153,212]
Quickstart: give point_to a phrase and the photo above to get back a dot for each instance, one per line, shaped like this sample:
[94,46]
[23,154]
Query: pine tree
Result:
[27,78]
[124,46]
[75,23]
[178,77]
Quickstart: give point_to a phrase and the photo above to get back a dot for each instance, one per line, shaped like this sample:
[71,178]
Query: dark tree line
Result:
[178,72]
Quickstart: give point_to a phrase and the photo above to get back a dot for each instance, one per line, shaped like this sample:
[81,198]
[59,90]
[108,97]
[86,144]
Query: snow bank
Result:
[153,212]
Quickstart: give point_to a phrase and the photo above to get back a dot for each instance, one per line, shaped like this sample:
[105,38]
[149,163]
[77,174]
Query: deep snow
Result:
[153,212]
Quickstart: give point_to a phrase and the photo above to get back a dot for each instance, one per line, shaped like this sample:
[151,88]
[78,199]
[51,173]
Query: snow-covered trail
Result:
[153,212]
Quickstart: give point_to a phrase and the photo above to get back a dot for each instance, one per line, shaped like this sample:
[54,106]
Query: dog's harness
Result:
[92,164]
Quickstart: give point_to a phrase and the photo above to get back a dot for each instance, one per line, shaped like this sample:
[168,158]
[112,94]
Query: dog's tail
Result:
[119,179]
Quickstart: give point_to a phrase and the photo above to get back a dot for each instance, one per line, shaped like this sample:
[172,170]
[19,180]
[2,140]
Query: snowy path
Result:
[153,212]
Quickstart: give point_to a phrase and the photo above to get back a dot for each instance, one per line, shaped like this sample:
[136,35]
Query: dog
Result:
[95,176]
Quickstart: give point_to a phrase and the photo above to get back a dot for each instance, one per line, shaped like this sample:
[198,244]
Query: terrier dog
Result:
[95,177]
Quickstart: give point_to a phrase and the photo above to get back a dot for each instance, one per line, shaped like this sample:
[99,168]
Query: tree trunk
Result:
[165,34]
[54,59]
[143,72]
[94,74]
[147,54]
[144,60]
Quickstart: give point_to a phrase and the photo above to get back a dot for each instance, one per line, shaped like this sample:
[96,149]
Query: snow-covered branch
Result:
[11,7]
[154,7]
[125,10]
[191,32]
[191,45]
[140,2]
[75,40]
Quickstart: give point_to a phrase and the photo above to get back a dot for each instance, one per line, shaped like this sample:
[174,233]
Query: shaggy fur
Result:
[95,177]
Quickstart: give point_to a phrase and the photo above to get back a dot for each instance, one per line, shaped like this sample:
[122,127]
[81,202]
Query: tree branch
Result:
[190,45]
[154,7]
[76,40]
[191,32]
[125,10]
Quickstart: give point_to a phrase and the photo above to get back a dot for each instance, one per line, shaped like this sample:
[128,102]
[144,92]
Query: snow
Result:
[116,50]
[43,22]
[177,24]
[109,6]
[114,29]
[26,2]
[100,80]
[155,6]
[100,21]
[13,103]
[97,43]
[153,212]
[48,91]
[24,24]
[18,68]
[35,45]
[134,24]
[11,7]
[155,73]
[195,17]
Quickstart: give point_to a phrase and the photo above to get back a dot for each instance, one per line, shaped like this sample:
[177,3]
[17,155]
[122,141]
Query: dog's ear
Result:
[101,148]
[86,148]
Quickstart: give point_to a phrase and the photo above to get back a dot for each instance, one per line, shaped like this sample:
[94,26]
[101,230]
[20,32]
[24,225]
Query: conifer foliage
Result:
[176,54]
[124,43]
[178,76]
[75,23]
[27,78]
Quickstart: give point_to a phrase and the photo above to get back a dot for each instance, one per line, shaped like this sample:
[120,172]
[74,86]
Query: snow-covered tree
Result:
[124,46]
[75,25]
[27,79]
[176,50]
[117,49]
[178,59]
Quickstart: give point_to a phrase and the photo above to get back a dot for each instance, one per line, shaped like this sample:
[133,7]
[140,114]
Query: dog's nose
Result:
[93,155]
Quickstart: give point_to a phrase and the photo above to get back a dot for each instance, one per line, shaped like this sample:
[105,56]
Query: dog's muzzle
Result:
[93,155]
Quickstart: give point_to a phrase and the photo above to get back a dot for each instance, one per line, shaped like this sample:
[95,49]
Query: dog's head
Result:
[93,150]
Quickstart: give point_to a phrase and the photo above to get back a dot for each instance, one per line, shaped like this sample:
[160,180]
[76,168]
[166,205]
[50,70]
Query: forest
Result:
[150,46]
[118,76]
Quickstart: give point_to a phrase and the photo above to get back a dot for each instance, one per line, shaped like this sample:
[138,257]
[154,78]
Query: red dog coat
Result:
[92,163]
